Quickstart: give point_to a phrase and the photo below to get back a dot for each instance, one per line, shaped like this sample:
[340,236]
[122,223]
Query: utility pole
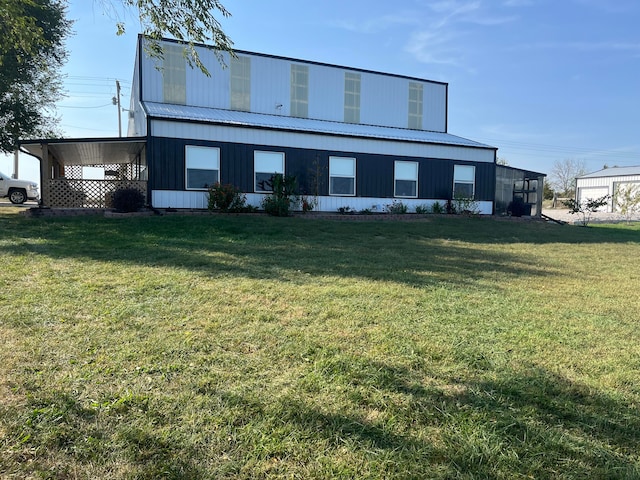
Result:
[117,102]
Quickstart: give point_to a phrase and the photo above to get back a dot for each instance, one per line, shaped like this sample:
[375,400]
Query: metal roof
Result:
[88,151]
[614,172]
[307,125]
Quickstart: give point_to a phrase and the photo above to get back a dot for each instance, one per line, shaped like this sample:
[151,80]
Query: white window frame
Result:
[195,158]
[333,174]
[401,176]
[416,99]
[174,75]
[299,106]
[461,176]
[240,83]
[352,89]
[260,156]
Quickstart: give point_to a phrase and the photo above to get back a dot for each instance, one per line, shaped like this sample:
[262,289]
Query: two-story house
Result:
[351,137]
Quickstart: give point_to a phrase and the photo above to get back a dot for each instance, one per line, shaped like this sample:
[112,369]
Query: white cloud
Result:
[518,3]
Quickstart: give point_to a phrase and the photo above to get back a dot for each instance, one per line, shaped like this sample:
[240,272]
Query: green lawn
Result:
[208,347]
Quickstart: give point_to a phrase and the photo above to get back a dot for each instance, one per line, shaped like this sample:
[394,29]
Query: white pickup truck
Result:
[18,191]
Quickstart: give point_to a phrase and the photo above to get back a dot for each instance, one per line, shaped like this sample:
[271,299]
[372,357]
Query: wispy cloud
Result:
[603,46]
[378,24]
[518,3]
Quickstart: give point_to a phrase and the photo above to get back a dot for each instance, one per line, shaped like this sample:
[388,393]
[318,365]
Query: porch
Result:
[85,173]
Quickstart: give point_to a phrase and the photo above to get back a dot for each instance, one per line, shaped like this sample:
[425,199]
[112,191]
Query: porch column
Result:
[45,176]
[15,163]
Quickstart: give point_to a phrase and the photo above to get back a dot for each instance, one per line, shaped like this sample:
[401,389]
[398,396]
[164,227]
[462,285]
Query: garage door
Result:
[590,193]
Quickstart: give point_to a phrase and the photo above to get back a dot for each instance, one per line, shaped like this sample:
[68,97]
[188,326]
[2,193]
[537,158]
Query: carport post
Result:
[44,173]
[15,163]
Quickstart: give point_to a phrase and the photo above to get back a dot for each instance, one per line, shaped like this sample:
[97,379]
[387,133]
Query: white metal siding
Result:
[162,128]
[383,98]
[434,114]
[595,187]
[198,200]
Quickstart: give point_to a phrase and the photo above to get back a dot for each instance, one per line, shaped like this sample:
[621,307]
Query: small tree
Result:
[564,173]
[628,200]
[587,208]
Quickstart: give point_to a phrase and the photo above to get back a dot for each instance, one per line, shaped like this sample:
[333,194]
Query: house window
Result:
[415,105]
[241,83]
[203,167]
[299,91]
[174,75]
[342,176]
[265,165]
[464,181]
[352,97]
[406,179]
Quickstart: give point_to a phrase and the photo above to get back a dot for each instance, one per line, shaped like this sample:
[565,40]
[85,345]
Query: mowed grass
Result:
[206,347]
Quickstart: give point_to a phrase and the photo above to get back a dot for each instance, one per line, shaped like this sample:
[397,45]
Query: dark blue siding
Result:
[374,173]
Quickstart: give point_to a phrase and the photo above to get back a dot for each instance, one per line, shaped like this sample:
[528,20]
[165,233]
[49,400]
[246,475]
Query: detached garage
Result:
[606,182]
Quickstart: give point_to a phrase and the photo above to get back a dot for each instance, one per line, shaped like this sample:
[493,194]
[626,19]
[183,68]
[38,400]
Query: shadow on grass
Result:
[413,253]
[532,423]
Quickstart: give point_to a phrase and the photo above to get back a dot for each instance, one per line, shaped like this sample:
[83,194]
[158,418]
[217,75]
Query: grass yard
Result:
[206,347]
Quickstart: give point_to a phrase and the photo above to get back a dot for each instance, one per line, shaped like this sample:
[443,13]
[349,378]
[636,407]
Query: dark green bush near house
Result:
[283,198]
[127,200]
[397,207]
[227,198]
[422,209]
[517,208]
[437,207]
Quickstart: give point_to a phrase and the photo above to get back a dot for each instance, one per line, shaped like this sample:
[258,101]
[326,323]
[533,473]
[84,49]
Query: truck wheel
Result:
[17,196]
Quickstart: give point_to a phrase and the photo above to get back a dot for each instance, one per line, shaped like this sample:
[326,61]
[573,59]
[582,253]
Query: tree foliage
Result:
[32,35]
[564,173]
[191,21]
[628,200]
[586,208]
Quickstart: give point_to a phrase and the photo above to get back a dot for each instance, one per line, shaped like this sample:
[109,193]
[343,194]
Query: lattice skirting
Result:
[70,193]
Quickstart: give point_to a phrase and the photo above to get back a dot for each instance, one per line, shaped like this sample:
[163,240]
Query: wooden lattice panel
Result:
[71,193]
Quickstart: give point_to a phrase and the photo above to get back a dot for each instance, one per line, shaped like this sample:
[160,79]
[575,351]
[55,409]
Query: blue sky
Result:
[541,80]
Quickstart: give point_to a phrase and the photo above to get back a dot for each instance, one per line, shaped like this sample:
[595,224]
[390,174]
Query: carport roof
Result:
[613,172]
[88,151]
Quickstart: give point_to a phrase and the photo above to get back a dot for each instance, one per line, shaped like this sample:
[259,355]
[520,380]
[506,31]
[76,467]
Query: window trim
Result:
[395,178]
[465,182]
[186,165]
[270,152]
[343,176]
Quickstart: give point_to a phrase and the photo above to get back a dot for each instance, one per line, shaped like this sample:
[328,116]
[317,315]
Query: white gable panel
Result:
[326,93]
[434,115]
[275,138]
[384,100]
[212,91]
[270,85]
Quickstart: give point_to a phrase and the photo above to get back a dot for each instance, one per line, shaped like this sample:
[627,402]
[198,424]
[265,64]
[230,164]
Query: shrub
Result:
[422,209]
[437,207]
[280,202]
[227,198]
[465,205]
[344,210]
[397,207]
[628,200]
[307,204]
[127,200]
[517,208]
[585,209]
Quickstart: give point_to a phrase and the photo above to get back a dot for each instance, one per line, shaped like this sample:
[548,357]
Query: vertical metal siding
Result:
[434,114]
[270,85]
[384,100]
[326,93]
[212,91]
[374,173]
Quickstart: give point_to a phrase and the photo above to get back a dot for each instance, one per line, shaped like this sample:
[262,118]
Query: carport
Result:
[83,173]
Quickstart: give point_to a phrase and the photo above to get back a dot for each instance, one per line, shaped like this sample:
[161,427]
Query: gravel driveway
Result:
[597,217]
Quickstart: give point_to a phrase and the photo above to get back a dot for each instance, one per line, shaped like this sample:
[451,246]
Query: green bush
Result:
[227,198]
[422,209]
[397,207]
[283,198]
[437,207]
[127,200]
